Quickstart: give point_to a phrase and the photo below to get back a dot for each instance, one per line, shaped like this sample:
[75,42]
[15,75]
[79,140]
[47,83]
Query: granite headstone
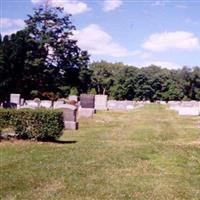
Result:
[69,116]
[87,101]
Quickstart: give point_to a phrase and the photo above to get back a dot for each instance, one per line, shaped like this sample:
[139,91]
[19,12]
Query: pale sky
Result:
[138,33]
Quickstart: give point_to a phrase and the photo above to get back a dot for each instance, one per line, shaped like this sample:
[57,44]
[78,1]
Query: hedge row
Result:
[39,124]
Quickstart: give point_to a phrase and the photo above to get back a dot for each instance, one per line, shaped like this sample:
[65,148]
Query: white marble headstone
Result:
[188,111]
[73,98]
[31,104]
[101,102]
[46,104]
[15,98]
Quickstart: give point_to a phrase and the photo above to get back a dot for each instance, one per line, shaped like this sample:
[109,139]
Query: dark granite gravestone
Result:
[9,105]
[87,101]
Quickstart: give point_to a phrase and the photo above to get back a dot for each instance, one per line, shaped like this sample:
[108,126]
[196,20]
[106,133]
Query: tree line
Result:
[43,60]
[147,83]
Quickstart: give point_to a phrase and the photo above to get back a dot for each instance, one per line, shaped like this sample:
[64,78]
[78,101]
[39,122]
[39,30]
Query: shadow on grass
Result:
[14,140]
[63,142]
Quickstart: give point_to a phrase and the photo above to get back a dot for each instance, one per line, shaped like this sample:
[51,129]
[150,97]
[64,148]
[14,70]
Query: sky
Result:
[136,32]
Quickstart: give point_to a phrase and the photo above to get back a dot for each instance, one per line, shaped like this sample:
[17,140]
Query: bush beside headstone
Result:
[38,124]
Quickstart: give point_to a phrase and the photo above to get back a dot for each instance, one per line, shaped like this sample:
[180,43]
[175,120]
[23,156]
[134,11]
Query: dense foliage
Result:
[39,124]
[44,61]
[148,83]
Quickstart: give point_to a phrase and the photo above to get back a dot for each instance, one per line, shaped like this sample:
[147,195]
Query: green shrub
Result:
[73,91]
[35,93]
[39,124]
[64,91]
[92,91]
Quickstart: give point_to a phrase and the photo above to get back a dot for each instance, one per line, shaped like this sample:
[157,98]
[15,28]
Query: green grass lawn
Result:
[150,153]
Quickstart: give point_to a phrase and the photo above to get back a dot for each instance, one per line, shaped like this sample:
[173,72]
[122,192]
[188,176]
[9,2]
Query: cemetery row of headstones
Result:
[89,103]
[185,108]
[86,107]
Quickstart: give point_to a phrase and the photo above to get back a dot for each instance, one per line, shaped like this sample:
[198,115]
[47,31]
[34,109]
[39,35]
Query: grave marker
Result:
[46,104]
[31,104]
[69,116]
[15,98]
[73,98]
[87,101]
[101,102]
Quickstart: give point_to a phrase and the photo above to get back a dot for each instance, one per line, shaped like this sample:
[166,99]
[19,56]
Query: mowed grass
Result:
[149,153]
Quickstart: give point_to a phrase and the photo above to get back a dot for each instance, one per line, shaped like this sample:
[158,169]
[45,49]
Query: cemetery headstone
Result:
[9,105]
[86,112]
[112,105]
[15,98]
[120,105]
[163,102]
[58,103]
[101,102]
[188,111]
[69,116]
[185,108]
[31,104]
[27,106]
[46,104]
[86,108]
[22,102]
[87,101]
[73,98]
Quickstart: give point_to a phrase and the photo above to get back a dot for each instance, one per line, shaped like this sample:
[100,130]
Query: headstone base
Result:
[86,112]
[101,108]
[71,125]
